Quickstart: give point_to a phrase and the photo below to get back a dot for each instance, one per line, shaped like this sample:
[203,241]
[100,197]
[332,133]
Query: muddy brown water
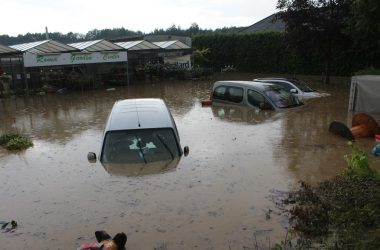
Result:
[240,162]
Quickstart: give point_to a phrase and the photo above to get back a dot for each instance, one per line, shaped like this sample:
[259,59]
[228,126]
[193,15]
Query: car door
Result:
[258,100]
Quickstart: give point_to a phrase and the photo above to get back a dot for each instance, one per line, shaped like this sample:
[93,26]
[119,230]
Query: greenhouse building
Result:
[88,64]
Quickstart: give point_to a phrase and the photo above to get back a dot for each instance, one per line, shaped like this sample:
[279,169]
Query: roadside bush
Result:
[15,141]
[342,213]
[358,165]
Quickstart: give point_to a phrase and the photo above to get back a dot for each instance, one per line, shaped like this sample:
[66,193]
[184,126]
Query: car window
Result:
[258,100]
[232,94]
[139,146]
[281,98]
[235,94]
[285,85]
[302,85]
[220,92]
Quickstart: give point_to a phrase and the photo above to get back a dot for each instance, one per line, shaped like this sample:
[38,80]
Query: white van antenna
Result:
[137,112]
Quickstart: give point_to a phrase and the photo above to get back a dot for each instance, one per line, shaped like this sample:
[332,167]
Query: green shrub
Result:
[5,138]
[358,165]
[14,141]
[341,213]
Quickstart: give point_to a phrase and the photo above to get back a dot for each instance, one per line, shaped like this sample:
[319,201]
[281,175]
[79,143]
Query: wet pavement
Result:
[218,197]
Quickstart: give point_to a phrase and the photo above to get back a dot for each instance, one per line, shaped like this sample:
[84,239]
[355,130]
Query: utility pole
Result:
[46,33]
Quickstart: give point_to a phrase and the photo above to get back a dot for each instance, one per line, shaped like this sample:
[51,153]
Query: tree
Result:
[194,29]
[313,25]
[366,30]
[200,57]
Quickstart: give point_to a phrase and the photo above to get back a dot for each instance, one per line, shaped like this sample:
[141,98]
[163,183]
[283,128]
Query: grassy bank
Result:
[341,213]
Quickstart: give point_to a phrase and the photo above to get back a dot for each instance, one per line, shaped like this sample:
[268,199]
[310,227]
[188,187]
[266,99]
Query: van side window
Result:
[255,98]
[231,94]
[220,93]
[235,94]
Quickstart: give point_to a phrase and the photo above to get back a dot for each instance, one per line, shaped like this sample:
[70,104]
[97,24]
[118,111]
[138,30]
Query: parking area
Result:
[240,161]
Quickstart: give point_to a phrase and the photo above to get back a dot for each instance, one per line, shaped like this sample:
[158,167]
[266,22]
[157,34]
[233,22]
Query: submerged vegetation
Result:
[342,213]
[15,141]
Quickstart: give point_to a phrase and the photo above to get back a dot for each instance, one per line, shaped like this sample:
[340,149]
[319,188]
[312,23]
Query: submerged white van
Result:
[139,131]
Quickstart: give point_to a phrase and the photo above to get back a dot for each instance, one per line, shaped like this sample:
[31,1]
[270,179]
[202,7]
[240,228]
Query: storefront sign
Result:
[40,60]
[180,62]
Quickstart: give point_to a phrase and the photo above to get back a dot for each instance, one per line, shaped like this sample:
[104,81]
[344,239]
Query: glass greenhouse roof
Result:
[96,45]
[46,46]
[172,45]
[6,49]
[138,45]
[50,46]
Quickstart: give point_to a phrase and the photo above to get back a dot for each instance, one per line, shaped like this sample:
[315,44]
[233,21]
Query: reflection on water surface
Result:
[215,198]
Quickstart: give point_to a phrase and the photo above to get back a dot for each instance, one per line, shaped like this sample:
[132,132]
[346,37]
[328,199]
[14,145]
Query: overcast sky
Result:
[80,16]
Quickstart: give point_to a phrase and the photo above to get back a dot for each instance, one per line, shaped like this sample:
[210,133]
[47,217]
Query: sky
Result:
[80,16]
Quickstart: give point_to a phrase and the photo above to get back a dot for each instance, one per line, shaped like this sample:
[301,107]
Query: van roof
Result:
[293,80]
[139,114]
[252,84]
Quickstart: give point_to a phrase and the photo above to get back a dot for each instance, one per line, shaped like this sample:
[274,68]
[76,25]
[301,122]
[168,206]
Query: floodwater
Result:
[219,197]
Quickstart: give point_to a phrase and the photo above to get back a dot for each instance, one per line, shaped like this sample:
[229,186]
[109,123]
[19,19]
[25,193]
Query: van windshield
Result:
[139,146]
[302,85]
[281,98]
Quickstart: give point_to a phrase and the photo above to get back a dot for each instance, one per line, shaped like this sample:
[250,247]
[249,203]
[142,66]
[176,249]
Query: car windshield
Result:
[302,85]
[139,146]
[281,98]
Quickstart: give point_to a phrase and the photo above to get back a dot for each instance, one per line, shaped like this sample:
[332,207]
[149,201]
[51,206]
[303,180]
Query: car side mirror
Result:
[293,91]
[91,157]
[186,151]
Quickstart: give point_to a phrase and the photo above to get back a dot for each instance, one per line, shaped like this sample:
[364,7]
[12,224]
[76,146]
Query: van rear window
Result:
[139,146]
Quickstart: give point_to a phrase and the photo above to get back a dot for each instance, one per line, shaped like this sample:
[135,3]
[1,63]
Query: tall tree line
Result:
[322,37]
[345,29]
[109,34]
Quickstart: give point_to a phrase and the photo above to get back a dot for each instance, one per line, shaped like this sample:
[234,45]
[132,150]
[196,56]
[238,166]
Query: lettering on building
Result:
[182,65]
[108,57]
[46,59]
[81,58]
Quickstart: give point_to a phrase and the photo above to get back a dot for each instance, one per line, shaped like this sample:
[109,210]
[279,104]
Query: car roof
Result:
[139,114]
[252,84]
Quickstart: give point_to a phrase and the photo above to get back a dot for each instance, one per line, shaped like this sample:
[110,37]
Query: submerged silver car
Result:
[139,131]
[297,87]
[253,94]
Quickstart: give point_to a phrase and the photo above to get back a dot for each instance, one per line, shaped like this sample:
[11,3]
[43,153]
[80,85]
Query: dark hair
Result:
[120,239]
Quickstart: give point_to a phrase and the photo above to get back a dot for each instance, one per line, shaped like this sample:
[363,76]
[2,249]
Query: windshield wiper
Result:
[166,146]
[141,150]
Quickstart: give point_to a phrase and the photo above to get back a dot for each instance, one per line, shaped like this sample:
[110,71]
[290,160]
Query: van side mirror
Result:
[186,151]
[91,157]
[293,91]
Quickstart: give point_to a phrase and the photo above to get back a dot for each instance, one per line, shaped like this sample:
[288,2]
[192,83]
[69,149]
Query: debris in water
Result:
[8,226]
[376,150]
